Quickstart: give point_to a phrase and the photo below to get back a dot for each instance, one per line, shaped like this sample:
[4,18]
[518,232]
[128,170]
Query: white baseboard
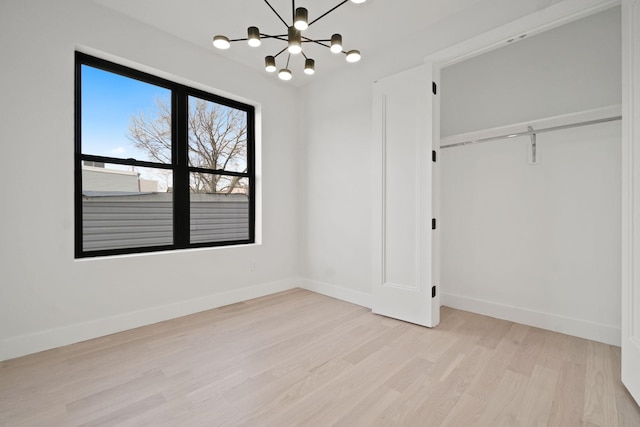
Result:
[579,328]
[345,294]
[44,340]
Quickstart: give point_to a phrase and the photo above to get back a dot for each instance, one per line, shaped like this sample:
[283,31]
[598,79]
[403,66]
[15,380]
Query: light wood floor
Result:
[302,359]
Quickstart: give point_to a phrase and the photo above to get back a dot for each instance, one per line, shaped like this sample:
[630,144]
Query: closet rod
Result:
[533,131]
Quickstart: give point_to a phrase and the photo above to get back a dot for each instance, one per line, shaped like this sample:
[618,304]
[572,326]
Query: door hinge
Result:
[433,223]
[434,88]
[433,291]
[433,156]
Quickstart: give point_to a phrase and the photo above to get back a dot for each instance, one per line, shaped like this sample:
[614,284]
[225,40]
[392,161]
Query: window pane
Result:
[129,149]
[126,207]
[124,117]
[218,215]
[217,136]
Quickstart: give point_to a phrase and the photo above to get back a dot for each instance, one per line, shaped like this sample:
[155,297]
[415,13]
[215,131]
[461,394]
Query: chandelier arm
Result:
[321,44]
[288,58]
[327,12]
[293,10]
[278,54]
[308,40]
[277,14]
[282,37]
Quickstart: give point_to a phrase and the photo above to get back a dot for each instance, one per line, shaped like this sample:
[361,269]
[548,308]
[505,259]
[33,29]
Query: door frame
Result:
[546,19]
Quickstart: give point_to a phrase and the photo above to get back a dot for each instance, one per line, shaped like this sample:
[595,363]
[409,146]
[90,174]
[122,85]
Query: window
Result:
[158,165]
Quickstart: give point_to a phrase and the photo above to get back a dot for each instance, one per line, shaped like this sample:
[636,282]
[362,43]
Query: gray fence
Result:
[116,220]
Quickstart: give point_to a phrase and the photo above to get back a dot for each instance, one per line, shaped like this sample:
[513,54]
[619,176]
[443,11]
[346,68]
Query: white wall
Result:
[336,149]
[538,244]
[575,67]
[46,297]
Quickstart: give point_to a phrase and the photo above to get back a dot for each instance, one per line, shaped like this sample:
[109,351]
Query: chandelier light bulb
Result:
[270,64]
[353,56]
[358,1]
[295,41]
[285,74]
[221,42]
[336,43]
[301,21]
[309,66]
[254,36]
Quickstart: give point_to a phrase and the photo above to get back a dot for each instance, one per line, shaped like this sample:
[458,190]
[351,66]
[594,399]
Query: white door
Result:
[404,279]
[631,197]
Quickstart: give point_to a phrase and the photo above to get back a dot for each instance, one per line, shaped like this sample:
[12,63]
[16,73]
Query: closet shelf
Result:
[585,118]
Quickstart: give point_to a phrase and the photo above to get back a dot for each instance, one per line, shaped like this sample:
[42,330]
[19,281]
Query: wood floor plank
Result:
[300,358]
[600,404]
[453,382]
[568,399]
[503,410]
[467,412]
[486,382]
[628,412]
[529,351]
[538,398]
[121,395]
[332,401]
[407,404]
[120,415]
[416,370]
[369,409]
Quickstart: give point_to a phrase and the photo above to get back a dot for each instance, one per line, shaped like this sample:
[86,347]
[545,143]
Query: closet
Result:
[530,180]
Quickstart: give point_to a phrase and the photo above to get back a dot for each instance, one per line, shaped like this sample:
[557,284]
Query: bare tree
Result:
[217,140]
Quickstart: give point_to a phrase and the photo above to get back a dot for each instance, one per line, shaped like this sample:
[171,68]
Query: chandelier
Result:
[295,39]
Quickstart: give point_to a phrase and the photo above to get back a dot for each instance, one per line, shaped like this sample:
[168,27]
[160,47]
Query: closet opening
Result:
[530,180]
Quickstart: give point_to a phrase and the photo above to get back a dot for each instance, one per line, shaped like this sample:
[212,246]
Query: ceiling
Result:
[368,27]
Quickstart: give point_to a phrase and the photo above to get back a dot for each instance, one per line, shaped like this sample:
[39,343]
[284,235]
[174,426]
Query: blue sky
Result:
[108,103]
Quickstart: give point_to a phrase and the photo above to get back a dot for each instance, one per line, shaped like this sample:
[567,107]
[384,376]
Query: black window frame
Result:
[179,159]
